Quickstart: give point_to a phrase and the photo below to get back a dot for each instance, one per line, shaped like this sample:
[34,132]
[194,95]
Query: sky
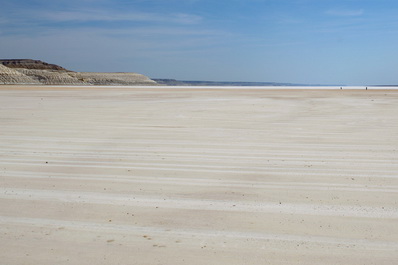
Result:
[350,42]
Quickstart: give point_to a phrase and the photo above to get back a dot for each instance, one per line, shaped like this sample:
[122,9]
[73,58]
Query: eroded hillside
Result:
[27,71]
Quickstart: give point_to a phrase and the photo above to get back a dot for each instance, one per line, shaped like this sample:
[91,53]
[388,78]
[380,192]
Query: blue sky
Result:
[352,42]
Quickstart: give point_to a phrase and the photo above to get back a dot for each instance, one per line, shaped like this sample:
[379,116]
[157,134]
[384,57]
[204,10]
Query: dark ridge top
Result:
[30,64]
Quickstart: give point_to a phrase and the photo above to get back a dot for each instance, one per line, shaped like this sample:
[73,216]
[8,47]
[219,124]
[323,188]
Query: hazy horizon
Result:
[347,42]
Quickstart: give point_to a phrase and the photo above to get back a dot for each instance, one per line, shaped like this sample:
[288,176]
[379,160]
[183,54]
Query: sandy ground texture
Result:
[159,176]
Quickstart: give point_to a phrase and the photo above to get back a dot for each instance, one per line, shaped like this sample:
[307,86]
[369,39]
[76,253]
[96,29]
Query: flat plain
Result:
[163,175]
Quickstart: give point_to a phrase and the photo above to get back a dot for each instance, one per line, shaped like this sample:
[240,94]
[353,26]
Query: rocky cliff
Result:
[113,78]
[12,76]
[27,71]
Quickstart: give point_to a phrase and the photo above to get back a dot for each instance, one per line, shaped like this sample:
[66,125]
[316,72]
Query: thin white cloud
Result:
[142,42]
[345,12]
[102,16]
[161,31]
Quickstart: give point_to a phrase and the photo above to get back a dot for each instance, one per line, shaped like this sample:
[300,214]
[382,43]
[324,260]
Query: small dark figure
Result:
[341,88]
[366,88]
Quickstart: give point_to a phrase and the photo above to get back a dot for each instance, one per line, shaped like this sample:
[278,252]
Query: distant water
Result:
[246,87]
[286,87]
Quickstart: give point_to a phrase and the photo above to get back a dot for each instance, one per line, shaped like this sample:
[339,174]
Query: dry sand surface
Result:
[159,176]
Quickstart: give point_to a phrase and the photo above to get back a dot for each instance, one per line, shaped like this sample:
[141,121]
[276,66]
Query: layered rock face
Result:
[113,78]
[51,77]
[26,71]
[12,76]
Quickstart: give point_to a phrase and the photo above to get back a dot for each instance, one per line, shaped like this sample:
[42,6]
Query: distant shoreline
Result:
[174,82]
[247,88]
